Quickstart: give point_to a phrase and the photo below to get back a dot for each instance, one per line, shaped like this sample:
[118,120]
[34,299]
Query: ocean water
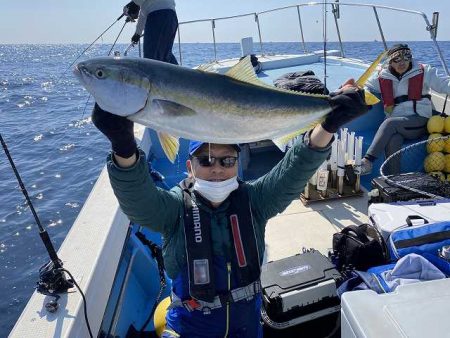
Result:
[45,120]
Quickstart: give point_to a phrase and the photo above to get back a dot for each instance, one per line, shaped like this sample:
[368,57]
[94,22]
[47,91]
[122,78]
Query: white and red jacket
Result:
[431,80]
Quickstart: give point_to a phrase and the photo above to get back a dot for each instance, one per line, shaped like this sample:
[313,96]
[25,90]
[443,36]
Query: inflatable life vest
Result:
[415,85]
[197,229]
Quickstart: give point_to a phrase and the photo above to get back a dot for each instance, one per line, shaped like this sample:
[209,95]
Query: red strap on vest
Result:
[387,92]
[240,254]
[415,85]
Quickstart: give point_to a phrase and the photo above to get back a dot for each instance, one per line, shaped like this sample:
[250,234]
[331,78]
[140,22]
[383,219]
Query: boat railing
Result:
[335,10]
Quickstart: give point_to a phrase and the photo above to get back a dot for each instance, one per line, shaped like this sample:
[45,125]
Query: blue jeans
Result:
[159,34]
[244,321]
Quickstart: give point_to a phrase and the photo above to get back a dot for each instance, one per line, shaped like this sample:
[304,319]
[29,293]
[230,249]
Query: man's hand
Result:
[131,10]
[347,104]
[118,129]
[135,38]
[349,84]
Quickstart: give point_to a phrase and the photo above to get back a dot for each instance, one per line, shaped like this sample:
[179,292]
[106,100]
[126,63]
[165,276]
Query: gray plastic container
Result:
[415,311]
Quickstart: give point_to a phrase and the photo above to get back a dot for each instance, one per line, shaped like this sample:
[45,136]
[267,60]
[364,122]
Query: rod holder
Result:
[358,183]
[341,185]
[306,191]
[334,178]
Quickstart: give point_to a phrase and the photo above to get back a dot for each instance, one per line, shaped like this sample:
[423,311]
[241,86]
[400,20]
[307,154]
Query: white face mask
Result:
[216,192]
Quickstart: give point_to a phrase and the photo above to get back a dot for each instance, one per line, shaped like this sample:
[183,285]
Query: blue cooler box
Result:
[387,217]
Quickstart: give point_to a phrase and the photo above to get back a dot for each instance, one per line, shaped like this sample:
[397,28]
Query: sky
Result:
[81,21]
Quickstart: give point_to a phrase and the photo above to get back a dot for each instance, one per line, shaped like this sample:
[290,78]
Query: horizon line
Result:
[186,43]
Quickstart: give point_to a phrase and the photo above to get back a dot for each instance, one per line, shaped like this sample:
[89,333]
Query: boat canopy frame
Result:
[335,9]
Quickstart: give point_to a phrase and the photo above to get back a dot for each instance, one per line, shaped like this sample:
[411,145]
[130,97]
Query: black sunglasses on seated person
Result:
[209,161]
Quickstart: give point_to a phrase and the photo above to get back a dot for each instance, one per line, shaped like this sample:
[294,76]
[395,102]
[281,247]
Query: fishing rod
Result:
[132,46]
[87,48]
[117,38]
[109,53]
[42,232]
[52,279]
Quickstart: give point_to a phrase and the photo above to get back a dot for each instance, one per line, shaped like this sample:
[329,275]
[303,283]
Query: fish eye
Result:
[99,73]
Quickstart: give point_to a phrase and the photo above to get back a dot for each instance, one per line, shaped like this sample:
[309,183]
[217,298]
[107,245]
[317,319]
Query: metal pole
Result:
[441,57]
[259,33]
[213,26]
[179,46]
[445,104]
[301,28]
[338,31]
[379,28]
[433,31]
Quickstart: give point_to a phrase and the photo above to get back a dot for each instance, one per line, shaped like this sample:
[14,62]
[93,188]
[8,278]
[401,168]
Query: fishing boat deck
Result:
[118,297]
[311,226]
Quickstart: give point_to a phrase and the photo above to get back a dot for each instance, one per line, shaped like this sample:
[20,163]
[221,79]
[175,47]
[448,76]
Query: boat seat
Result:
[406,164]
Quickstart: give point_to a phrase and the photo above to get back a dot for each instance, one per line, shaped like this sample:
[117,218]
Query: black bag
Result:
[303,81]
[359,247]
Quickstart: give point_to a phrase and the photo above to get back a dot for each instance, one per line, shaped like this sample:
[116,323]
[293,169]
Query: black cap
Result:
[397,47]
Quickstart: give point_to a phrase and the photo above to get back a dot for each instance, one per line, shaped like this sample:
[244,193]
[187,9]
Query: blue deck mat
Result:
[340,72]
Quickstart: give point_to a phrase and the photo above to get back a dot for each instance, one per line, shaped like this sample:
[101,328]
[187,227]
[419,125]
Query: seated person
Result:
[405,90]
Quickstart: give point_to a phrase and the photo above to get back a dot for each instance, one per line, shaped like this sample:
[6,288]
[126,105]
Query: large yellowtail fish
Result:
[193,104]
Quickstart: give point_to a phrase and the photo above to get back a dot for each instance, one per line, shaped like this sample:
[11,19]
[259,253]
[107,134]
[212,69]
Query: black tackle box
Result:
[298,289]
[390,191]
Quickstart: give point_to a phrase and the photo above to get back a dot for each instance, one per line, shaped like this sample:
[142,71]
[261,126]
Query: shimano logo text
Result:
[197,225]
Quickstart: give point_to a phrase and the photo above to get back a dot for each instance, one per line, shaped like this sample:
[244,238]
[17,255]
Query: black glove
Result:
[118,129]
[131,10]
[346,106]
[135,38]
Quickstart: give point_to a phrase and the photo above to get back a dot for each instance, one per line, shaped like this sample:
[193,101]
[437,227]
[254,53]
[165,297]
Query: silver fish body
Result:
[199,105]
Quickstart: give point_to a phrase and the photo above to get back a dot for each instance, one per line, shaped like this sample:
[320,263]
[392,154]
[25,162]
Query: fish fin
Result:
[206,67]
[172,108]
[244,71]
[365,76]
[370,98]
[170,145]
[282,141]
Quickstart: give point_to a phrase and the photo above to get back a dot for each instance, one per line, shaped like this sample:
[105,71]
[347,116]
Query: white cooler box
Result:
[387,217]
[418,310]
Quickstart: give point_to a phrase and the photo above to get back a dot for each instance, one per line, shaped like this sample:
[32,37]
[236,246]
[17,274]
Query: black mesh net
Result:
[423,167]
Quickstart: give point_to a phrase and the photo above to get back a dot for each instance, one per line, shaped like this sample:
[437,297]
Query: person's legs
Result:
[159,34]
[395,144]
[411,127]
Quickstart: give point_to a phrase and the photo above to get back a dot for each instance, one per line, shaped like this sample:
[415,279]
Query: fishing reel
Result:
[52,281]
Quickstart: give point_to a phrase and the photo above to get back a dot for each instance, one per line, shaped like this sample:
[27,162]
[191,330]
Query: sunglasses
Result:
[209,161]
[401,58]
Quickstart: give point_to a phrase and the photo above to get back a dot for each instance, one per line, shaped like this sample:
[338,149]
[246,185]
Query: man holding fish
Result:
[212,223]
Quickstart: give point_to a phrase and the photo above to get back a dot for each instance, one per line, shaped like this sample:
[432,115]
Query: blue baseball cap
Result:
[195,145]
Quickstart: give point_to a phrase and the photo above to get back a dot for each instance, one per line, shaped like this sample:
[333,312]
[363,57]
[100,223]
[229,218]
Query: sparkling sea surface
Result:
[45,121]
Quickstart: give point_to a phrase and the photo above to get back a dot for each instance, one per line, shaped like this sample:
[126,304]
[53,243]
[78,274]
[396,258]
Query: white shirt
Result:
[148,6]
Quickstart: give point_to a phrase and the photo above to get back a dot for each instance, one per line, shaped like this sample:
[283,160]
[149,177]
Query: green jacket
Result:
[162,210]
